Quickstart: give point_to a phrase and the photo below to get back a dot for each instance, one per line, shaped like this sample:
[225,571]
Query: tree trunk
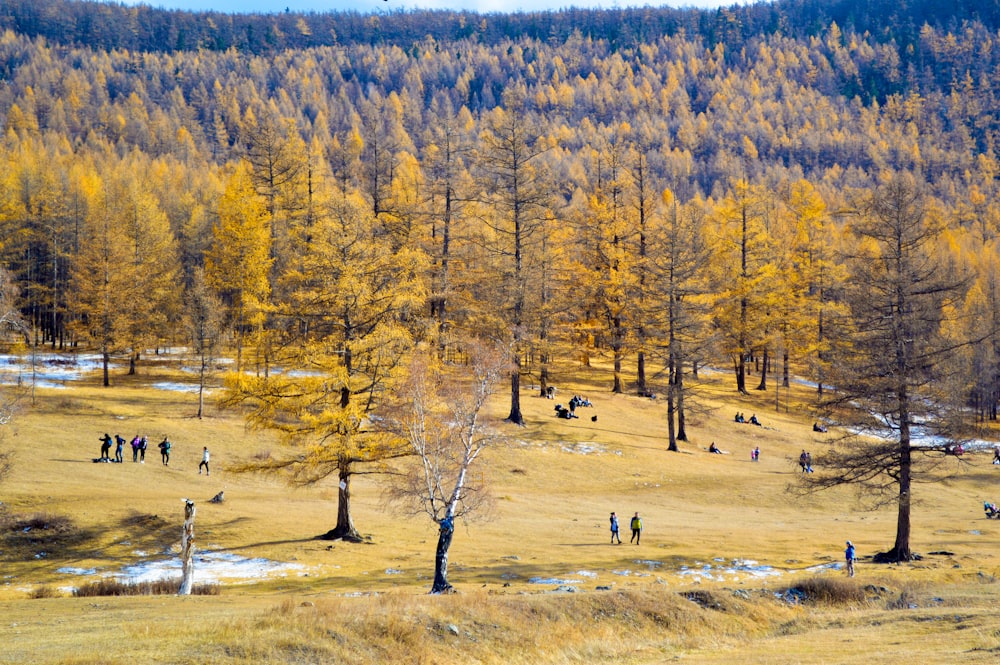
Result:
[901,549]
[441,584]
[784,369]
[671,433]
[741,374]
[640,374]
[187,550]
[515,416]
[617,386]
[763,372]
[345,525]
[681,429]
[105,360]
[201,388]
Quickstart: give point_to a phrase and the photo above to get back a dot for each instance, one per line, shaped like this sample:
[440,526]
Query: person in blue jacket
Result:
[614,529]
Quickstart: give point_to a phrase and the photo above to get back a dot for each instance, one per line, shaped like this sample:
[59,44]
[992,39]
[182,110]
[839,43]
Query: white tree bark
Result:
[187,550]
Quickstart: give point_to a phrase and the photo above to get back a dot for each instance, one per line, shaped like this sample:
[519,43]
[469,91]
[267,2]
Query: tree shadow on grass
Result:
[44,537]
[269,543]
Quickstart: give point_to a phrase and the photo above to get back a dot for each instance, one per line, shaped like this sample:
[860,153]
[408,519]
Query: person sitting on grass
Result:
[714,449]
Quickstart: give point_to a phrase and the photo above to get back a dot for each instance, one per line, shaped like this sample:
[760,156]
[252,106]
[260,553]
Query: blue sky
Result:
[273,6]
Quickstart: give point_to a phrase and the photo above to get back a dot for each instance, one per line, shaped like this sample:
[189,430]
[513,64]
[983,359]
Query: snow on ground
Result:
[720,570]
[218,567]
[177,387]
[210,567]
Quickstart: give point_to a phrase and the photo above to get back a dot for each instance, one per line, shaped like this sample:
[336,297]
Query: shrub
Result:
[827,590]
[43,592]
[111,587]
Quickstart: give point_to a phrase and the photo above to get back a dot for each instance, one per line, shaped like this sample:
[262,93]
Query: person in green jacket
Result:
[636,525]
[165,451]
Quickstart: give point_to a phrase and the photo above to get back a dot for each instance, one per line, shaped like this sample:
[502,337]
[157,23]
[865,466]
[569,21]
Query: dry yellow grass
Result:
[555,484]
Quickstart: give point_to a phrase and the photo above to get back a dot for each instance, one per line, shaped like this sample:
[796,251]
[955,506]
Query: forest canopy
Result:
[669,187]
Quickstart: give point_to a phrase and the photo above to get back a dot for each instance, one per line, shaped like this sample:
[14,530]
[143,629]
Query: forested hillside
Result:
[671,188]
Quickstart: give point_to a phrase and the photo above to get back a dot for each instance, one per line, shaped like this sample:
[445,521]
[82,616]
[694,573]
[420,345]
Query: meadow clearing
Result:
[732,567]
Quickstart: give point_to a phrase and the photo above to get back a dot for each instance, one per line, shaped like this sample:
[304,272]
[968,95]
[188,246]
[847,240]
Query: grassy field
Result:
[538,582]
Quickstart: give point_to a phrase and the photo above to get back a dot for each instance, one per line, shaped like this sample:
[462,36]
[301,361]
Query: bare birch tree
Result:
[204,328]
[440,415]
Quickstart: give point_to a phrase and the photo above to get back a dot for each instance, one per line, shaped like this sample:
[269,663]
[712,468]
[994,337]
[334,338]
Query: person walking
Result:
[636,525]
[614,529]
[165,451]
[105,446]
[204,463]
[850,557]
[119,447]
[143,444]
[135,448]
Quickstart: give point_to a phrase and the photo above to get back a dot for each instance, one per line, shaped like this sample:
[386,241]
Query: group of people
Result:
[635,524]
[139,446]
[991,509]
[806,462]
[570,412]
[119,447]
[752,421]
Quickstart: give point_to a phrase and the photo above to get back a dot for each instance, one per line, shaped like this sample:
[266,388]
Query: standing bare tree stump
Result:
[187,550]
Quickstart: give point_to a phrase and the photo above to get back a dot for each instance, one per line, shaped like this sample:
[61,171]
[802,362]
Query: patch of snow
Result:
[583,448]
[649,562]
[177,387]
[209,567]
[69,570]
[393,571]
[553,580]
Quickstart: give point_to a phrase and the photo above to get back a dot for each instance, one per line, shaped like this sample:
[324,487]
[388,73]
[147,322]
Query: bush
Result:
[43,592]
[110,587]
[827,590]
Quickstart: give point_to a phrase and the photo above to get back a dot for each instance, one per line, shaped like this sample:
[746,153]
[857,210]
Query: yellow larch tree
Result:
[344,327]
[239,260]
[742,272]
[101,273]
